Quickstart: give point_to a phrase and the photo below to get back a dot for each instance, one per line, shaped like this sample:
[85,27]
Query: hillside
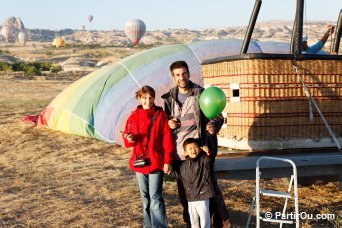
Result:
[88,50]
[272,30]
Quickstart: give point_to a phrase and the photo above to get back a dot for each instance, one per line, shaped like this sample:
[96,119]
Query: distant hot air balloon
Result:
[58,42]
[6,32]
[22,37]
[90,18]
[135,30]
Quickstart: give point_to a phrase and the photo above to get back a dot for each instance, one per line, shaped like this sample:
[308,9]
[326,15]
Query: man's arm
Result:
[327,34]
[167,108]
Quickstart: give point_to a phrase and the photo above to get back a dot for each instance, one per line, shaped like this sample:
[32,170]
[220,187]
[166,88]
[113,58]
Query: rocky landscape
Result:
[272,30]
[91,49]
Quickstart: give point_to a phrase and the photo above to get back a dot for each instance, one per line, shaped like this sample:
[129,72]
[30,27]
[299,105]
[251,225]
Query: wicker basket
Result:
[266,100]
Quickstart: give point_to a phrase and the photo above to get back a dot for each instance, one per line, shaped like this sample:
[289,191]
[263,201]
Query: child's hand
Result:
[167,169]
[129,137]
[205,149]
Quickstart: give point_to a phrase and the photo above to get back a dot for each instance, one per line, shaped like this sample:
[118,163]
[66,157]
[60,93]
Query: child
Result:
[196,176]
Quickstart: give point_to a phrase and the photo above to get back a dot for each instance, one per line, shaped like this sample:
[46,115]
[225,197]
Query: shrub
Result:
[56,68]
[30,68]
[49,53]
[5,66]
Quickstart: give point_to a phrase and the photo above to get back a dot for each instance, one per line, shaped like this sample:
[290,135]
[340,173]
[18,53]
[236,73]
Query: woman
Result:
[150,136]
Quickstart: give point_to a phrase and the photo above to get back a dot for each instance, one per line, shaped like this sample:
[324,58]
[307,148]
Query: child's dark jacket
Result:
[196,176]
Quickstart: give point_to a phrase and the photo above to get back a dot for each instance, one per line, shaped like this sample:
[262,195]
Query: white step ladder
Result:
[286,195]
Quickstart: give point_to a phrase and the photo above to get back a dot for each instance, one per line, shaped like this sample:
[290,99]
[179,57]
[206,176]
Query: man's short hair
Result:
[179,64]
[189,141]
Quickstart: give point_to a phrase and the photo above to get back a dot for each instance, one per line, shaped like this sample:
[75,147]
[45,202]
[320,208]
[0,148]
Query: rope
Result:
[307,93]
[194,53]
[311,112]
[129,73]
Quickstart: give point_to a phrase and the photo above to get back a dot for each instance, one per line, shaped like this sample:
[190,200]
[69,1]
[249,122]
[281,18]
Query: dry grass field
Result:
[51,179]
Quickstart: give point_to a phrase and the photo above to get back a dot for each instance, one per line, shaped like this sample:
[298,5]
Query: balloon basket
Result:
[266,100]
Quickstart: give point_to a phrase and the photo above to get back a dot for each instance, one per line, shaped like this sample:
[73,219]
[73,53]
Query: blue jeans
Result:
[151,190]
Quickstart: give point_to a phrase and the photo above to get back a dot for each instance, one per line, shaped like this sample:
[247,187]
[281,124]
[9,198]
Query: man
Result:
[316,48]
[187,120]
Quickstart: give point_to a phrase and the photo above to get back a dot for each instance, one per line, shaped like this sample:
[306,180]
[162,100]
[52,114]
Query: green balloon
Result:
[212,102]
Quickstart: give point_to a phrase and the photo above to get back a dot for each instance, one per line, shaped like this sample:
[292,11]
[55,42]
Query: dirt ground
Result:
[51,179]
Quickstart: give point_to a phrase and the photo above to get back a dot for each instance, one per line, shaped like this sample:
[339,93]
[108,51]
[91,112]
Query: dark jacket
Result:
[159,148]
[170,98]
[196,176]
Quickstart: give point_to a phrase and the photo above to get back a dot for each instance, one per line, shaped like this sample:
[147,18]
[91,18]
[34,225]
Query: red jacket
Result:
[160,147]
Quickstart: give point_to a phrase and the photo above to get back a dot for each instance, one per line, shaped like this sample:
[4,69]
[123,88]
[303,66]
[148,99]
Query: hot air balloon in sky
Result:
[90,18]
[98,105]
[135,30]
[6,32]
[22,37]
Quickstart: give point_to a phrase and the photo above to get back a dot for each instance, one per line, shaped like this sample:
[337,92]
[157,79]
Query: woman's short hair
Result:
[143,90]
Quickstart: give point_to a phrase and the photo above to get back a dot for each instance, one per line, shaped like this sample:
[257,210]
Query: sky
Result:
[158,14]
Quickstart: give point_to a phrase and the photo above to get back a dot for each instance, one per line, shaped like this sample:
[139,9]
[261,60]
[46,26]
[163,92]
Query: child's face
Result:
[192,150]
[146,100]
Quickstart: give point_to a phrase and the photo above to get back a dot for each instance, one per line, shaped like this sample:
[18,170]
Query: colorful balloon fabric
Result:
[98,104]
[135,30]
[6,32]
[90,18]
[22,37]
[58,42]
[212,102]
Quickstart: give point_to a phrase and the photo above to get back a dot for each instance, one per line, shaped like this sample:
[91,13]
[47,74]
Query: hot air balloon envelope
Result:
[22,37]
[135,30]
[58,42]
[98,105]
[6,32]
[90,18]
